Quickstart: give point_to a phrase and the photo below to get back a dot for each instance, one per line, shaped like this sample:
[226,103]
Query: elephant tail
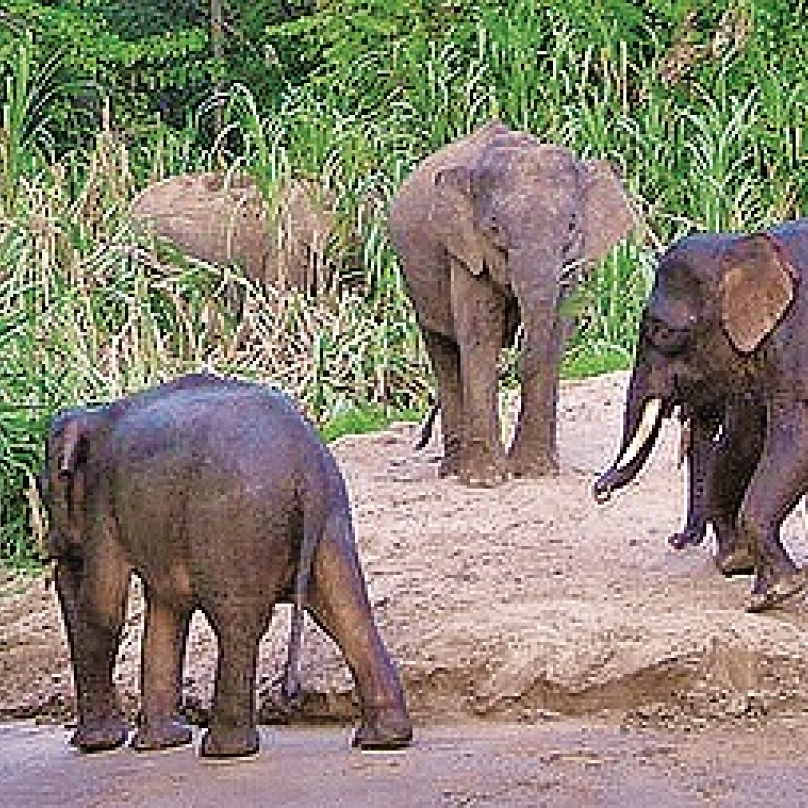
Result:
[428,425]
[314,526]
[292,689]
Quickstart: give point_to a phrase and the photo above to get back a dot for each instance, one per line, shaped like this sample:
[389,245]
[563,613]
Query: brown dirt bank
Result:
[517,602]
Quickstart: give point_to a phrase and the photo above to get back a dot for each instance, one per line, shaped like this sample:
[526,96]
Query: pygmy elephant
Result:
[490,231]
[224,219]
[725,335]
[221,498]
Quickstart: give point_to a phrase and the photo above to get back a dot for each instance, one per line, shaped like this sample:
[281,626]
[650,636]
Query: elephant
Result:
[491,230]
[223,219]
[724,334]
[222,498]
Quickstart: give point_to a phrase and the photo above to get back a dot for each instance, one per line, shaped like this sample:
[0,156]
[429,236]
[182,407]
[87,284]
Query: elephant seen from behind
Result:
[223,499]
[491,230]
[724,335]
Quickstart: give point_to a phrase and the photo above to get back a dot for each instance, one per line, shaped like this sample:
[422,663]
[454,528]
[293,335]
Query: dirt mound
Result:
[521,601]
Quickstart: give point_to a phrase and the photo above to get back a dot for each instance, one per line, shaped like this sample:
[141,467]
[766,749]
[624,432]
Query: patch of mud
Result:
[526,601]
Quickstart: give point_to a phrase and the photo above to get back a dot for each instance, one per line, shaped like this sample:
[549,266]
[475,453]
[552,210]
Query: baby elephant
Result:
[222,498]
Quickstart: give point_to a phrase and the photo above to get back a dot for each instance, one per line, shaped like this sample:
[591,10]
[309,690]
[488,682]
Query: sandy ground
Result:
[517,607]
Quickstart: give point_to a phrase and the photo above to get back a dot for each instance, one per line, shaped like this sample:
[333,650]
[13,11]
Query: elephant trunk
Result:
[641,426]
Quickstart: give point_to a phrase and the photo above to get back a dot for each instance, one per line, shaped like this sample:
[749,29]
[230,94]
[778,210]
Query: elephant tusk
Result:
[650,416]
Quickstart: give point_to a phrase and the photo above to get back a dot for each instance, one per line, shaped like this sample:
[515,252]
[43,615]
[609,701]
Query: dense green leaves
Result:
[702,107]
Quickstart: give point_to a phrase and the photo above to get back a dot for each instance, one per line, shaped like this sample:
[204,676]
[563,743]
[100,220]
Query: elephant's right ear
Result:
[463,241]
[758,284]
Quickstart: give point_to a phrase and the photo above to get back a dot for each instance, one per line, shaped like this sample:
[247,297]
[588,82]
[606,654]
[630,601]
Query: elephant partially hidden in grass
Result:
[223,219]
[222,498]
[491,230]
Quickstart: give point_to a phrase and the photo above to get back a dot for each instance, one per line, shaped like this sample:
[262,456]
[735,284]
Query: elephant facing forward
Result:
[490,230]
[222,498]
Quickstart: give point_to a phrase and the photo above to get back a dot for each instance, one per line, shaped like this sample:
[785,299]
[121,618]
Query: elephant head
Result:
[527,210]
[63,479]
[718,324]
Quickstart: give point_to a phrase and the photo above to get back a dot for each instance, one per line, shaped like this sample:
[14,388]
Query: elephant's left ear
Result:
[607,214]
[758,284]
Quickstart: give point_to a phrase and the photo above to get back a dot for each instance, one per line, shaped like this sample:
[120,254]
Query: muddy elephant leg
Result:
[93,610]
[534,450]
[445,358]
[232,731]
[164,640]
[339,603]
[479,311]
[778,483]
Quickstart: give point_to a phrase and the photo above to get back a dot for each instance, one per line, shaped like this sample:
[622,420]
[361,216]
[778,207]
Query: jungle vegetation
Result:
[702,107]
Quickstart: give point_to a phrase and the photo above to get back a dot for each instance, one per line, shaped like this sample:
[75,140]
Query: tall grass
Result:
[88,311]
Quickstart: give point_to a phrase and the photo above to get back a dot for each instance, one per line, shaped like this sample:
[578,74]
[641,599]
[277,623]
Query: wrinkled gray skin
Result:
[222,498]
[725,335]
[490,230]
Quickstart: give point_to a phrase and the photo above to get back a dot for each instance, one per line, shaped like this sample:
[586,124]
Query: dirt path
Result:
[565,764]
[518,603]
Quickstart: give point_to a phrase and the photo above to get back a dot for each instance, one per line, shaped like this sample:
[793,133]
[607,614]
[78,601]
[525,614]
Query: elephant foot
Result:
[100,735]
[162,735]
[735,560]
[383,728]
[484,478]
[689,537]
[229,742]
[766,595]
[449,467]
[525,465]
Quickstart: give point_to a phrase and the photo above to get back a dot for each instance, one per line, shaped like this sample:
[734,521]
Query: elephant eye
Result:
[667,340]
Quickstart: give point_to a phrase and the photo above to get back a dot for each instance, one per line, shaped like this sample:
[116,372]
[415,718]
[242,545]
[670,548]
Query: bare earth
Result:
[512,612]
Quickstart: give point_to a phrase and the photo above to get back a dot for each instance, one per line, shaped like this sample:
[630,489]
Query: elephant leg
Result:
[534,451]
[94,611]
[445,358]
[779,481]
[238,627]
[339,603]
[479,311]
[166,630]
[701,425]
[735,458]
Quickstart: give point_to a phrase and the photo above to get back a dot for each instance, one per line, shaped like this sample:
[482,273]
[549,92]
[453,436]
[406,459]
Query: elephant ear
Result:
[70,444]
[758,284]
[463,242]
[607,214]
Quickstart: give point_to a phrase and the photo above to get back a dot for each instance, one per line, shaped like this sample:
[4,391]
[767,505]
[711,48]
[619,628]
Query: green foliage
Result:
[363,419]
[702,106]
